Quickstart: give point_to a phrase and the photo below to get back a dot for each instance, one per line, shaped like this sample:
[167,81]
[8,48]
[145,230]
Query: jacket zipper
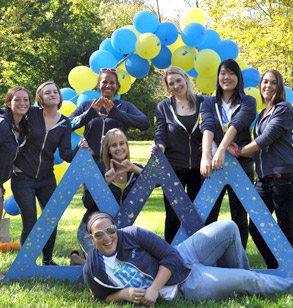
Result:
[102,138]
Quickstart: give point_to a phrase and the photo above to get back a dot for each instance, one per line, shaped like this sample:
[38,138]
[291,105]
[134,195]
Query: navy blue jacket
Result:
[183,150]
[9,148]
[141,248]
[37,158]
[273,134]
[242,117]
[123,115]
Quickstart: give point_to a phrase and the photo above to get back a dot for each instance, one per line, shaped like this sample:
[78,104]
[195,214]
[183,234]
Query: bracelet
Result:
[238,151]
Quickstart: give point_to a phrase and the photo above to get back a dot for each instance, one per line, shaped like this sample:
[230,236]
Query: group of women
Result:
[193,131]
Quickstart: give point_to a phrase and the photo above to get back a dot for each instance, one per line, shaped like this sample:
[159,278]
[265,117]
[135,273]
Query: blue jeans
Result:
[84,240]
[220,243]
[25,190]
[277,194]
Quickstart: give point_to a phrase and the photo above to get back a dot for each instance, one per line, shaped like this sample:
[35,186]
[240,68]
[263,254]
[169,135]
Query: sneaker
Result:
[49,262]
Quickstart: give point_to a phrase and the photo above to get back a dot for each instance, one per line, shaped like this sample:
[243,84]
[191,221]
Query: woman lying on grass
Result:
[135,265]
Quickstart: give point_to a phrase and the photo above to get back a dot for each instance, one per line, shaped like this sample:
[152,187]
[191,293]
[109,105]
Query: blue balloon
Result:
[100,59]
[163,59]
[123,40]
[211,41]
[69,94]
[106,45]
[193,34]
[289,94]
[251,77]
[192,73]
[11,206]
[167,32]
[254,121]
[57,159]
[227,49]
[146,21]
[75,138]
[117,96]
[137,66]
[87,95]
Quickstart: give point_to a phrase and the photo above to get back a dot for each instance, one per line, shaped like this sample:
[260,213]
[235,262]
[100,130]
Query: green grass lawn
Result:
[53,293]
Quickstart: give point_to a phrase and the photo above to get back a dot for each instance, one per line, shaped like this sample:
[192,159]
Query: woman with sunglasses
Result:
[227,117]
[179,137]
[120,174]
[135,265]
[14,129]
[273,154]
[33,174]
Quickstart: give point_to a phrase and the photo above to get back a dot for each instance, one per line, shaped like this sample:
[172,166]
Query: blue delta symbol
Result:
[157,172]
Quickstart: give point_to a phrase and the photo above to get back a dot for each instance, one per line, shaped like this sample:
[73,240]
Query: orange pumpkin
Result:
[5,247]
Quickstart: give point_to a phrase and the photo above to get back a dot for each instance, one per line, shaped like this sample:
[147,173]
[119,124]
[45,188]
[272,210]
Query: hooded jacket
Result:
[143,249]
[273,134]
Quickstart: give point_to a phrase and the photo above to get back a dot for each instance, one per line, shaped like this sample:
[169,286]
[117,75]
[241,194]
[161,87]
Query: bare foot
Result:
[75,259]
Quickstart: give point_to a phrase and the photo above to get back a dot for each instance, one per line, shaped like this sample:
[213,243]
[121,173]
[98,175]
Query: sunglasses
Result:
[105,69]
[110,230]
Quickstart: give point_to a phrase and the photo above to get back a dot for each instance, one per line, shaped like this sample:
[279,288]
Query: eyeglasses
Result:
[105,69]
[110,230]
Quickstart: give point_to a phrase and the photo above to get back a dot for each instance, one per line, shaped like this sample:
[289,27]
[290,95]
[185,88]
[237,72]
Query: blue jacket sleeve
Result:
[159,248]
[130,116]
[161,125]
[243,119]
[207,118]
[280,122]
[82,115]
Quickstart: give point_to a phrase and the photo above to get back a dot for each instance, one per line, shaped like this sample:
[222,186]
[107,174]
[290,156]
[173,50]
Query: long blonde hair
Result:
[189,93]
[109,139]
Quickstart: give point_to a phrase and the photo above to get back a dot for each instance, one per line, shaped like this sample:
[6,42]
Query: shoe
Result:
[49,262]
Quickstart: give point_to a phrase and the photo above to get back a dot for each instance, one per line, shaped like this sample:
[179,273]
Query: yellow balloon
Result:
[207,62]
[177,44]
[82,78]
[80,131]
[241,63]
[7,187]
[59,171]
[148,46]
[67,108]
[39,210]
[205,83]
[184,57]
[194,15]
[132,28]
[256,94]
[124,80]
[122,66]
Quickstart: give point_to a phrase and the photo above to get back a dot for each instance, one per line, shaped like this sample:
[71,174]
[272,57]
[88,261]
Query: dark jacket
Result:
[141,248]
[37,158]
[9,147]
[181,148]
[123,116]
[242,117]
[273,134]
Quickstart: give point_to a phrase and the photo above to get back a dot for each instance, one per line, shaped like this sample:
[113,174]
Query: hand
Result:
[83,143]
[150,296]
[97,104]
[218,160]
[134,295]
[154,147]
[108,104]
[110,175]
[206,167]
[232,147]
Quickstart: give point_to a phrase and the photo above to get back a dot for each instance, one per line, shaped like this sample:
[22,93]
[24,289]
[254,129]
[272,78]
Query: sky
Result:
[171,8]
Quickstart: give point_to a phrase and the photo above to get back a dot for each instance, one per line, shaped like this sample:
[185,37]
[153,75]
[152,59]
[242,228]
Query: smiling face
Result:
[51,96]
[108,85]
[227,80]
[177,85]
[268,86]
[108,244]
[20,103]
[118,149]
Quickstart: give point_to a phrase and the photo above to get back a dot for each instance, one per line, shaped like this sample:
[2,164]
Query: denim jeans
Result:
[191,179]
[277,194]
[25,190]
[238,213]
[84,241]
[219,243]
